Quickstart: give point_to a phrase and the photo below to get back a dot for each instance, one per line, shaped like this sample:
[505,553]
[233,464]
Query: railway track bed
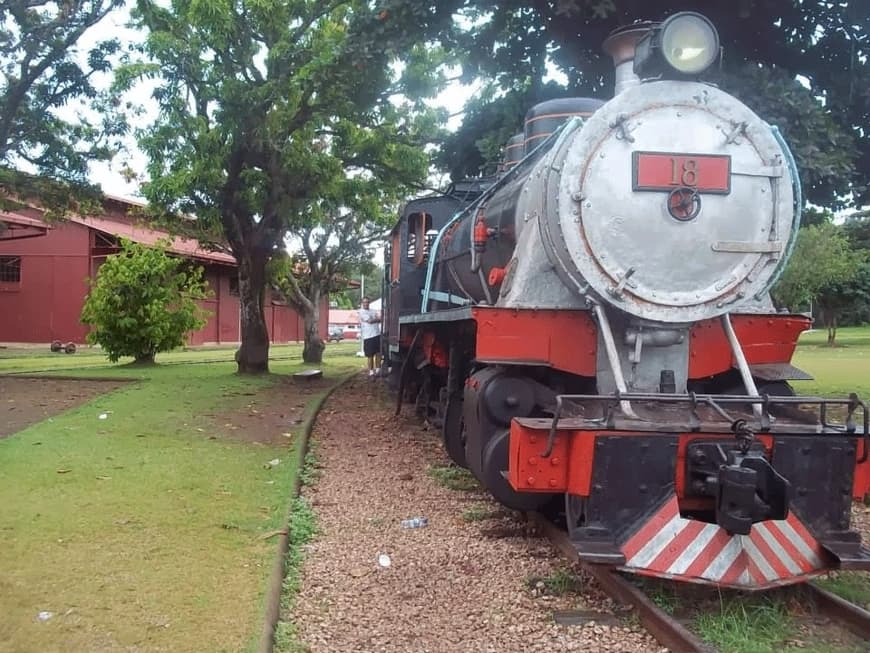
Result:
[818,618]
[476,577]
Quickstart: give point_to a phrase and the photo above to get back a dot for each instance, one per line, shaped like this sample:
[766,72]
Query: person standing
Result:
[370,332]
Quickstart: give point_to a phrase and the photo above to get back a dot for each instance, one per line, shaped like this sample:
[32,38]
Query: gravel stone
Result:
[450,587]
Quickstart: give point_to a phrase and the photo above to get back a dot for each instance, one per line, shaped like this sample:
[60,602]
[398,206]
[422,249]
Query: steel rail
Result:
[853,617]
[667,631]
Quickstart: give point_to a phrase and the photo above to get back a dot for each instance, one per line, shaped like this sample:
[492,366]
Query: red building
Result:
[44,272]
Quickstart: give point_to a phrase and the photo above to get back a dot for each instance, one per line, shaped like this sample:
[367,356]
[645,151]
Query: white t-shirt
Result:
[369,329]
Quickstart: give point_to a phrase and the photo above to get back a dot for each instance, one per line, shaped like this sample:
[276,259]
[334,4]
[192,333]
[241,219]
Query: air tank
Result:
[545,118]
[513,151]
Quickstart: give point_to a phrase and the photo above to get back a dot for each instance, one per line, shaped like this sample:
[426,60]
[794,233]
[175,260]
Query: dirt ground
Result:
[267,414]
[27,401]
[473,579]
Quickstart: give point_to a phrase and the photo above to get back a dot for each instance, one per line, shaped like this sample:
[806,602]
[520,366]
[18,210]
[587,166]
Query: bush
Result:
[143,301]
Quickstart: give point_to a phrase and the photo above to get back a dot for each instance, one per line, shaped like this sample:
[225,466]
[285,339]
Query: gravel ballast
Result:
[474,579]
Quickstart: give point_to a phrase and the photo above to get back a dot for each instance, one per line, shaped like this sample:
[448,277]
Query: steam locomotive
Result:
[593,329]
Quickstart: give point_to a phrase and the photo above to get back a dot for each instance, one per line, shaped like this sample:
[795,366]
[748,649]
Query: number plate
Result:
[657,171]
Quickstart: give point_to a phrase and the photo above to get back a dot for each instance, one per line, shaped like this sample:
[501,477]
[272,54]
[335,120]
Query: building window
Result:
[234,285]
[10,269]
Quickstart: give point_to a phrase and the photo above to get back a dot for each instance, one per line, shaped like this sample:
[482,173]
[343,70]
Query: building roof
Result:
[21,226]
[147,236]
[342,316]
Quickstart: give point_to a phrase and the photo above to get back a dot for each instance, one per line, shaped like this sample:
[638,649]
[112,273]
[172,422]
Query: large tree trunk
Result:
[253,354]
[312,352]
[146,358]
[832,331]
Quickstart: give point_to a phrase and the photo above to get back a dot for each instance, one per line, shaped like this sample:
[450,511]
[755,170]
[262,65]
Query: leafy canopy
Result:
[766,45]
[823,258]
[43,72]
[277,117]
[143,301]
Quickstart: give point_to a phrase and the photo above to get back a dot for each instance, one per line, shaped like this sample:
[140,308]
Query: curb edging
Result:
[276,582]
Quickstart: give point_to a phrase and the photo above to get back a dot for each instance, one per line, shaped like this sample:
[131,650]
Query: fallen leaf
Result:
[64,471]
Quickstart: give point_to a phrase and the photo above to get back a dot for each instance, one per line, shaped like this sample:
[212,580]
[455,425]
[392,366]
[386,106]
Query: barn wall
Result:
[47,303]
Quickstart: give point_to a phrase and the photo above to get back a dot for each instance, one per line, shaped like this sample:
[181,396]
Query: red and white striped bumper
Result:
[774,553]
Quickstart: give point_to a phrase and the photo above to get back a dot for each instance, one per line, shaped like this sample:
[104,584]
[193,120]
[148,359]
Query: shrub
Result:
[143,301]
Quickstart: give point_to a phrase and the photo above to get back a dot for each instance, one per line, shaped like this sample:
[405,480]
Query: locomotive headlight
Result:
[690,43]
[686,44]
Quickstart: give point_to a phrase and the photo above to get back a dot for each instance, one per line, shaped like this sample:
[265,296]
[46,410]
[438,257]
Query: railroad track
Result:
[666,629]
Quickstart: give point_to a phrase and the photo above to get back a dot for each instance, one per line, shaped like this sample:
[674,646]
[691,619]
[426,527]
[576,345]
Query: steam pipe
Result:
[742,364]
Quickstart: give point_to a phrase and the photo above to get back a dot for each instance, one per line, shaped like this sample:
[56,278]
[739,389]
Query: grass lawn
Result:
[148,529]
[837,370]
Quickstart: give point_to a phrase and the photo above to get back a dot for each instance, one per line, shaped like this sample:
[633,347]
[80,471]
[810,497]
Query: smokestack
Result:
[621,45]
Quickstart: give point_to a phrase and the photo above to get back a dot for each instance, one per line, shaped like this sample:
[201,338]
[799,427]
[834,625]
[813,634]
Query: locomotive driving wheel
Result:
[453,432]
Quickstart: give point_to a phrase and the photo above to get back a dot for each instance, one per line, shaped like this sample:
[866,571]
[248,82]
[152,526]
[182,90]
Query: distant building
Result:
[348,320]
[44,272]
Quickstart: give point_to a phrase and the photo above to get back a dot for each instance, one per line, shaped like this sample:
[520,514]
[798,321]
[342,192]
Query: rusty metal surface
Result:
[667,631]
[850,615]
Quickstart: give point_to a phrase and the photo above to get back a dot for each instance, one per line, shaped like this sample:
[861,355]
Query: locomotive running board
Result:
[848,555]
[599,553]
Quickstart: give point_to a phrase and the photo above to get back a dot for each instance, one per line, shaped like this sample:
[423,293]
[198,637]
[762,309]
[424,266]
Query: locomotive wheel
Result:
[495,461]
[453,432]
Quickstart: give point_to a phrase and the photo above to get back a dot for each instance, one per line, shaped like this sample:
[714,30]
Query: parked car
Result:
[336,334]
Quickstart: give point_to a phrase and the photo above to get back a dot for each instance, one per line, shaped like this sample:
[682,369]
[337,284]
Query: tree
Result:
[822,258]
[766,44]
[333,245]
[850,294]
[43,72]
[263,106]
[142,302]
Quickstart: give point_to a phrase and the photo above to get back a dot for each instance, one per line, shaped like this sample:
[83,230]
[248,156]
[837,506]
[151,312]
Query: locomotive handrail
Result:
[798,208]
[713,401]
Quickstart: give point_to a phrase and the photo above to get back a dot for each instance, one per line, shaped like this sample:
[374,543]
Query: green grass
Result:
[30,360]
[157,535]
[303,529]
[560,582]
[479,512]
[453,477]
[745,625]
[852,586]
[837,370]
[762,624]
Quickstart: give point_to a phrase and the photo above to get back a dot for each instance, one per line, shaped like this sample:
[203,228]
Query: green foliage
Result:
[43,72]
[143,301]
[276,117]
[824,149]
[822,257]
[766,45]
